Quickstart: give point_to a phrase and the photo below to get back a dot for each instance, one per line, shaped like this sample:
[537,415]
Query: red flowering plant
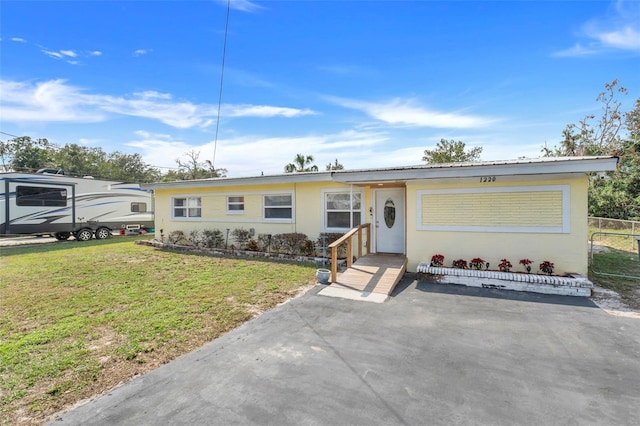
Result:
[437,260]
[476,263]
[526,263]
[460,263]
[546,267]
[505,265]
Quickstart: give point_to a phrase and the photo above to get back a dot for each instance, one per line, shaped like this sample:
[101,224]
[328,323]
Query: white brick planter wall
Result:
[575,285]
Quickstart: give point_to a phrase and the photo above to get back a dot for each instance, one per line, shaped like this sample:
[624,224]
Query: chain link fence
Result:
[617,234]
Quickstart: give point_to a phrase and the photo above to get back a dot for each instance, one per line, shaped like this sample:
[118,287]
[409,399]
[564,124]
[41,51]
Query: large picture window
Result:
[187,207]
[40,196]
[278,206]
[343,210]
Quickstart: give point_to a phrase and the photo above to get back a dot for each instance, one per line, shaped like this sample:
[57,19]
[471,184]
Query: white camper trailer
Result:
[63,206]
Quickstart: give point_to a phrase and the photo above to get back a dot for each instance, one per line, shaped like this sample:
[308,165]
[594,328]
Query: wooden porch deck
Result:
[373,273]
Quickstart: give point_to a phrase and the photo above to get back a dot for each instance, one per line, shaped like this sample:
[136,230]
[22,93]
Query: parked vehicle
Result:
[63,206]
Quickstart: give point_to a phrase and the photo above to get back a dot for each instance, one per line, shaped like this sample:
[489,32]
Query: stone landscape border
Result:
[570,285]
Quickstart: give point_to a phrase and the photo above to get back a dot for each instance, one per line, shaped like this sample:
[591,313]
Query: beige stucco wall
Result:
[567,250]
[308,208]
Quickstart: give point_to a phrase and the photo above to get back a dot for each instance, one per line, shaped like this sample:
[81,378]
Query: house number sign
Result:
[485,179]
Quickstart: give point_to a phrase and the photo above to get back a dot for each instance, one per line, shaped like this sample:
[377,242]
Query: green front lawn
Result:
[78,318]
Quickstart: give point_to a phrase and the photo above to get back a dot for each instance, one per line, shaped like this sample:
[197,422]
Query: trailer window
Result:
[138,207]
[40,196]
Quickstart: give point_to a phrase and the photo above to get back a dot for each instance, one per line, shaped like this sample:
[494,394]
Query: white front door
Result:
[389,220]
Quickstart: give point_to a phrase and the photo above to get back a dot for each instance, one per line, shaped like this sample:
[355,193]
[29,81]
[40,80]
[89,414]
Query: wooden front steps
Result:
[372,277]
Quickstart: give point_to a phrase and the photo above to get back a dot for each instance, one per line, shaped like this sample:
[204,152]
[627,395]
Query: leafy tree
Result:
[301,163]
[26,155]
[128,167]
[78,160]
[192,168]
[451,152]
[334,166]
[590,137]
[617,193]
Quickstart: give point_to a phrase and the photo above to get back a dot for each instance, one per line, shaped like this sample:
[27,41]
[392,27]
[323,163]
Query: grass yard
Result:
[617,255]
[76,319]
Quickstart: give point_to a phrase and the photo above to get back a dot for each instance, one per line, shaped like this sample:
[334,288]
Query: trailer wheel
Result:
[102,233]
[84,234]
[62,236]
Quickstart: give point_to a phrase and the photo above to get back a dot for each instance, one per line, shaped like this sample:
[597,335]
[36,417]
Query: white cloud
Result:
[140,52]
[625,38]
[242,5]
[176,114]
[354,149]
[577,50]
[405,112]
[619,30]
[55,100]
[96,53]
[18,39]
[61,54]
[47,101]
[53,54]
[263,111]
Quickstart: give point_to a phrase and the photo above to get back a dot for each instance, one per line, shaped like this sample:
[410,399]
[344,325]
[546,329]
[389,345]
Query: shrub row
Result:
[294,243]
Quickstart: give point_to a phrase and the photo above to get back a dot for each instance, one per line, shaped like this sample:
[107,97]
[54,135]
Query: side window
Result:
[187,207]
[235,205]
[342,210]
[138,207]
[40,196]
[278,207]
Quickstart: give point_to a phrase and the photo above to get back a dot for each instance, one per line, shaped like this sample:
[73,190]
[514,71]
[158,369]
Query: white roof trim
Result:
[521,167]
[252,180]
[494,168]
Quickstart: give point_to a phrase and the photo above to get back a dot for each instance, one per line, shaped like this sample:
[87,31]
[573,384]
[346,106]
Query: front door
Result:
[389,226]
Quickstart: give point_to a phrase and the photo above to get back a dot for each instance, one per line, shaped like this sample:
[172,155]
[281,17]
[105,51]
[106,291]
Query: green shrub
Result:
[178,237]
[213,238]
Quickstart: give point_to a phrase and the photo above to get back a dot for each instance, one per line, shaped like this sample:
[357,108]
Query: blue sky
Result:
[372,84]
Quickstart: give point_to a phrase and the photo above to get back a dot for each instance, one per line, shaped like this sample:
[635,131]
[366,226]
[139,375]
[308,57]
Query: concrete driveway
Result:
[433,354]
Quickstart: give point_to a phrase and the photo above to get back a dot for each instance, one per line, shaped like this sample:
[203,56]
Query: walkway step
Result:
[371,278]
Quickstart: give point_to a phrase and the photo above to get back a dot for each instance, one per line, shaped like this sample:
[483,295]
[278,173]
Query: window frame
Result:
[235,203]
[138,203]
[29,200]
[187,207]
[351,210]
[291,206]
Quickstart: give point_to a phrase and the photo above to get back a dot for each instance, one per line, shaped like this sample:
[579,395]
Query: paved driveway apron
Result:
[433,354]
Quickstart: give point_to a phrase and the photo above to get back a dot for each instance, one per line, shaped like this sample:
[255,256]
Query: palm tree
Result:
[301,163]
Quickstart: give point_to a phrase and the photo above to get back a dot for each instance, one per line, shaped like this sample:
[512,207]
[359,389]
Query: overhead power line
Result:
[224,55]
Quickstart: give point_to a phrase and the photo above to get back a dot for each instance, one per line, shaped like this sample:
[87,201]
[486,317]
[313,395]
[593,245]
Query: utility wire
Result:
[224,54]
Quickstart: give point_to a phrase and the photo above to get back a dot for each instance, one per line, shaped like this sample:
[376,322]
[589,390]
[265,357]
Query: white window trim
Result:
[323,198]
[293,207]
[566,210]
[235,203]
[185,218]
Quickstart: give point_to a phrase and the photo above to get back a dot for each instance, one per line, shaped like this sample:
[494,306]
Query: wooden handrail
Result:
[346,238]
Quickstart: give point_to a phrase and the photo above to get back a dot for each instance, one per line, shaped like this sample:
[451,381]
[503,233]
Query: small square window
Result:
[235,205]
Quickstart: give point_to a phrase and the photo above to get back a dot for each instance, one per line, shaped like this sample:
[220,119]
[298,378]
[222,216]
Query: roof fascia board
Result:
[256,180]
[462,171]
